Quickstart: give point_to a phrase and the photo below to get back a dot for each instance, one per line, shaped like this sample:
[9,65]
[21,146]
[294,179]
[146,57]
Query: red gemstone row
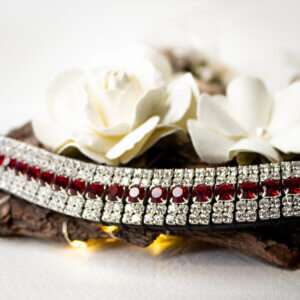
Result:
[157,194]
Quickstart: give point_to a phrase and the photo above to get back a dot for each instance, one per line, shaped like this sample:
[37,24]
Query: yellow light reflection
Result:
[110,230]
[78,244]
[164,243]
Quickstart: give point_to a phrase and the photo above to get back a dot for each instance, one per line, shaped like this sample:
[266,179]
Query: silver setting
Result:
[223,210]
[177,212]
[32,186]
[59,198]
[269,205]
[155,211]
[9,149]
[113,209]
[291,201]
[48,163]
[200,211]
[76,200]
[246,209]
[94,203]
[134,204]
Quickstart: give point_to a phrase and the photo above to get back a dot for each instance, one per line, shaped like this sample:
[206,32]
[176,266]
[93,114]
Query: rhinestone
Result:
[115,192]
[271,188]
[95,190]
[61,181]
[179,194]
[74,206]
[77,186]
[293,185]
[248,190]
[92,210]
[12,163]
[34,172]
[2,158]
[135,193]
[241,205]
[21,167]
[225,192]
[202,193]
[158,194]
[47,177]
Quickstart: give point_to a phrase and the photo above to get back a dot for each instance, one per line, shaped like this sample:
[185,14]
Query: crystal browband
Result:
[198,198]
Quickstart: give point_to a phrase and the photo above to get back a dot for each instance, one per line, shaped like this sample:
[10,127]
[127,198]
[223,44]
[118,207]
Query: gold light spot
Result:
[78,244]
[110,230]
[164,243]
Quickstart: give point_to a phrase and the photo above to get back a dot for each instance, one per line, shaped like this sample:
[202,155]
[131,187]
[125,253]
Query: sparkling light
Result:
[164,243]
[110,230]
[78,244]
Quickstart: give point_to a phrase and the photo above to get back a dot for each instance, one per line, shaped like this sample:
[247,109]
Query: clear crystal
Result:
[74,206]
[92,210]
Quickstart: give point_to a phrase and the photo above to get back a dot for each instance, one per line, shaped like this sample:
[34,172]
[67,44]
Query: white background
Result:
[37,40]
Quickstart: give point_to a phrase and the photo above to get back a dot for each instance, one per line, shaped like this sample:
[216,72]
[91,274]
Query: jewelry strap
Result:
[198,198]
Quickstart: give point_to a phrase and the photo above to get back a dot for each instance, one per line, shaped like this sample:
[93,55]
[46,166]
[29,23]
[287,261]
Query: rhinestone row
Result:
[158,197]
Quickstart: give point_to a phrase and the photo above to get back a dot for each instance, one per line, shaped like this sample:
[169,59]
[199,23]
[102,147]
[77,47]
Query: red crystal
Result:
[225,192]
[248,190]
[293,185]
[21,167]
[95,190]
[202,192]
[47,177]
[179,194]
[34,172]
[77,186]
[136,193]
[115,192]
[272,188]
[61,181]
[158,194]
[12,163]
[2,158]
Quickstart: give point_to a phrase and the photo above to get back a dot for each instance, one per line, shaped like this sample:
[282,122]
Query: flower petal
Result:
[180,95]
[256,145]
[113,98]
[154,103]
[48,132]
[249,102]
[92,145]
[131,140]
[95,122]
[61,116]
[159,133]
[286,109]
[213,113]
[146,63]
[288,141]
[211,146]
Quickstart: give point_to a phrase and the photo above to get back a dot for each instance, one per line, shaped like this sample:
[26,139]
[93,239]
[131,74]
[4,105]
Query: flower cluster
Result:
[114,114]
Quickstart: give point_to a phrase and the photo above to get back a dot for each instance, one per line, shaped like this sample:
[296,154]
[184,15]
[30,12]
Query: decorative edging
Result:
[279,244]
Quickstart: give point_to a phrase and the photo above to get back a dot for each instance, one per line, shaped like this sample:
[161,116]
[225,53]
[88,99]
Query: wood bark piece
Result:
[278,245]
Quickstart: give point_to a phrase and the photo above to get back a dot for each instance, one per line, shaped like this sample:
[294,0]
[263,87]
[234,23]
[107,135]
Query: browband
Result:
[198,198]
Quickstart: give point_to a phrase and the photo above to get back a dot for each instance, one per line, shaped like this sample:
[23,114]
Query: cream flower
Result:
[248,119]
[115,113]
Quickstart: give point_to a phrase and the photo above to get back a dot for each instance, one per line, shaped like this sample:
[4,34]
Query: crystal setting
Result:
[198,197]
[225,193]
[248,193]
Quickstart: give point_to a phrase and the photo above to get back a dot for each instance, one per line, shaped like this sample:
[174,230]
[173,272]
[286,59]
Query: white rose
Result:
[248,119]
[113,114]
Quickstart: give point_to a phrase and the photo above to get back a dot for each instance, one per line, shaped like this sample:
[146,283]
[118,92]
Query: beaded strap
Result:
[198,198]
